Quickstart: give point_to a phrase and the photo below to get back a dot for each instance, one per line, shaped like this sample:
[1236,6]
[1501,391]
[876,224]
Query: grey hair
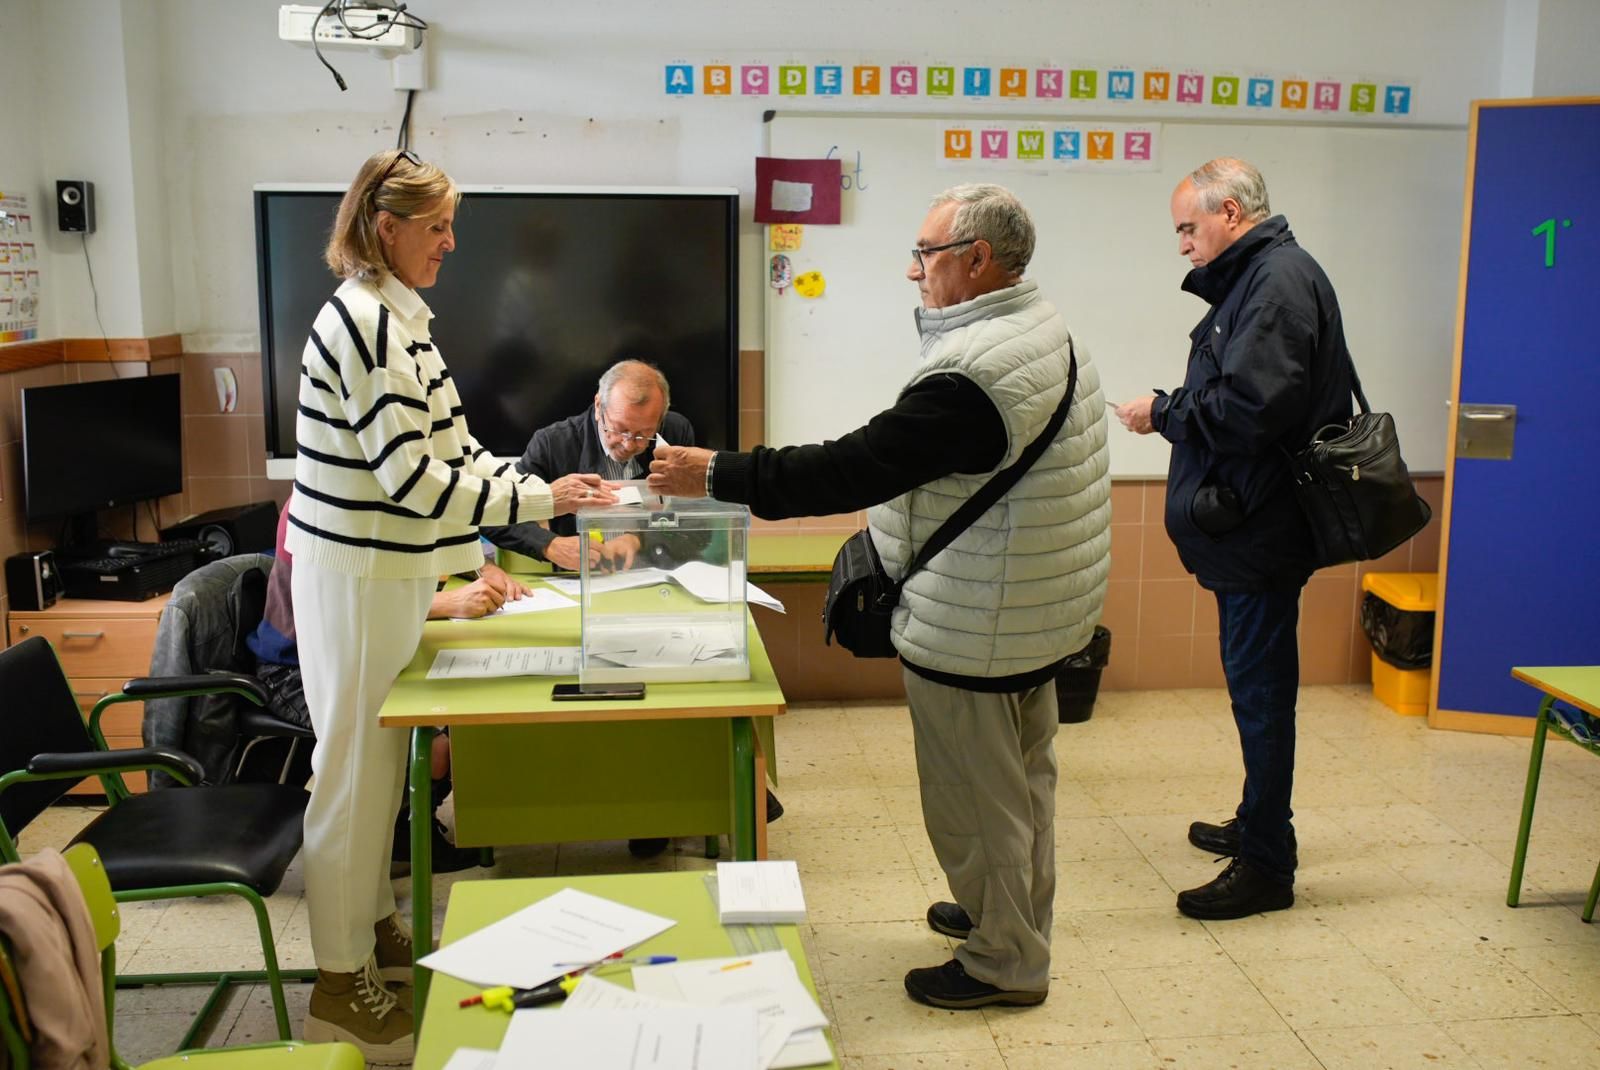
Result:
[1227,177]
[993,214]
[639,377]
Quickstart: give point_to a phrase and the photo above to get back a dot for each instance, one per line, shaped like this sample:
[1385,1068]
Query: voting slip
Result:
[757,892]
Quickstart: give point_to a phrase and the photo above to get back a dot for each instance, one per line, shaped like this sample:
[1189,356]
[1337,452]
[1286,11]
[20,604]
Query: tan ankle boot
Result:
[359,1009]
[393,952]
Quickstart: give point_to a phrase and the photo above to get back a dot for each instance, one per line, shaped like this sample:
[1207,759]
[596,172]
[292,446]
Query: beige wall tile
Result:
[1166,607]
[1158,557]
[1126,553]
[1127,503]
[1162,662]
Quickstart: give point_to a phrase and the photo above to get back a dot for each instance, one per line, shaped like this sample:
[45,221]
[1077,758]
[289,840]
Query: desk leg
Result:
[744,790]
[421,863]
[1529,794]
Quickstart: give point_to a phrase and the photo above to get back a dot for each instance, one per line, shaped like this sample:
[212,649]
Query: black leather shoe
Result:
[774,808]
[1223,839]
[948,986]
[1220,839]
[447,857]
[1238,892]
[949,919]
[647,848]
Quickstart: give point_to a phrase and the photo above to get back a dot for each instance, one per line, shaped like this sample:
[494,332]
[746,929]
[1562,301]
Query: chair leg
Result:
[1594,894]
[1529,795]
[713,846]
[220,981]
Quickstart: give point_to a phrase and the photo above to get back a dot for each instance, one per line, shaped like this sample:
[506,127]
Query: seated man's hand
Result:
[618,553]
[509,587]
[679,471]
[477,599]
[563,552]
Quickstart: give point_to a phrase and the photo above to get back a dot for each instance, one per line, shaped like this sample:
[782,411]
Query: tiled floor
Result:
[1400,951]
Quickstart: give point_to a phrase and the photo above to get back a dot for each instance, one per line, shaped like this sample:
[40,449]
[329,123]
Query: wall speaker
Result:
[74,206]
[237,529]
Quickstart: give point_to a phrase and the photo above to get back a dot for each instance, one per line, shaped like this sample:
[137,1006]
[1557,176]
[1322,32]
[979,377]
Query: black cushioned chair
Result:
[234,839]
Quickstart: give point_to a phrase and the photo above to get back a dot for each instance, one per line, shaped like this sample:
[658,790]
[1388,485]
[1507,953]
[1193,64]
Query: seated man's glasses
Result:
[918,253]
[637,438]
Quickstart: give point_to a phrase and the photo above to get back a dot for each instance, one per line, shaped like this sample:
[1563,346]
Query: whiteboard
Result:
[1380,209]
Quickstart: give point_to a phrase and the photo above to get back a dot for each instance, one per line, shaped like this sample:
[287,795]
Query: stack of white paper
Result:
[756,892]
[789,1022]
[683,1038]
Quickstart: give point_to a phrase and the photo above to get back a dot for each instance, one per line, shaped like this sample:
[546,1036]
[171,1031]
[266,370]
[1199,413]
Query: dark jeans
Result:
[1261,659]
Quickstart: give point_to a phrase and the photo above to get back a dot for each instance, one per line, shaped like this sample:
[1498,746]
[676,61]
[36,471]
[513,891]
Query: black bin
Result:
[1403,638]
[1078,682]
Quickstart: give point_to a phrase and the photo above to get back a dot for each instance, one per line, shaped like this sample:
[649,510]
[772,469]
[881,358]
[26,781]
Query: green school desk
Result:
[445,1026]
[1577,686]
[686,760]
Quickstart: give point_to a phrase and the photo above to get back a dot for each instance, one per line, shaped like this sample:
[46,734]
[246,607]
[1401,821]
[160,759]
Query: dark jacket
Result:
[561,449]
[1268,366]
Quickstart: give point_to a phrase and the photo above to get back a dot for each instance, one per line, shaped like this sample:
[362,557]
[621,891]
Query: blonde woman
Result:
[390,489]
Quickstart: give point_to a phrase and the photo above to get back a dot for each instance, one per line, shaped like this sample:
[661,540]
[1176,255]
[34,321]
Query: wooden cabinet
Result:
[101,644]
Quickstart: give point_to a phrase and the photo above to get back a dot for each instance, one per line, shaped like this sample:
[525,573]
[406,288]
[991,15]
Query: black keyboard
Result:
[148,551]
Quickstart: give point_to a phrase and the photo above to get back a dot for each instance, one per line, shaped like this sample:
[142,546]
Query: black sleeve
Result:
[943,425]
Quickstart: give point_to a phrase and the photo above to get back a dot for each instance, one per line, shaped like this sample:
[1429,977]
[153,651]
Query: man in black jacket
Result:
[1267,367]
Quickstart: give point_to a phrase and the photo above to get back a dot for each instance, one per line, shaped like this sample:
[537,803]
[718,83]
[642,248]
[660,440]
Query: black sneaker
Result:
[647,848]
[949,919]
[447,857]
[1238,892]
[1220,839]
[774,808]
[948,986]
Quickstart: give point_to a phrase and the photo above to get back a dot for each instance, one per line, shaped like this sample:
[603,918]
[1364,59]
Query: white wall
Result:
[20,170]
[1569,34]
[177,107]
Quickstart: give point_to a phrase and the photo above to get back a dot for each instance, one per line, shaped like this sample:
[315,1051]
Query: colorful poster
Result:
[944,82]
[19,271]
[1048,146]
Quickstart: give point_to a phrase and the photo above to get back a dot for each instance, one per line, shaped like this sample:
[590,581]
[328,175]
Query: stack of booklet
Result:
[753,893]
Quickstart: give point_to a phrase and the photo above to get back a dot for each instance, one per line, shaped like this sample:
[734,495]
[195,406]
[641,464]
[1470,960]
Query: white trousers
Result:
[354,635]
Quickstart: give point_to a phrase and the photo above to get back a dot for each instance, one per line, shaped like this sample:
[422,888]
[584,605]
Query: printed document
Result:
[755,892]
[460,663]
[766,982]
[524,949]
[683,1038]
[539,600]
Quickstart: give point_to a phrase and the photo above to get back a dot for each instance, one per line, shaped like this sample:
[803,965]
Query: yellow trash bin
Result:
[1401,632]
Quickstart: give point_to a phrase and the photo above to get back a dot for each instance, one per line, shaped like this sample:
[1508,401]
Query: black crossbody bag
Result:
[861,596]
[1354,489]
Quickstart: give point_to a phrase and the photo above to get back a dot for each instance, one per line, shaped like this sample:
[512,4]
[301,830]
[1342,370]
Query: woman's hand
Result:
[679,471]
[584,488]
[510,588]
[477,599]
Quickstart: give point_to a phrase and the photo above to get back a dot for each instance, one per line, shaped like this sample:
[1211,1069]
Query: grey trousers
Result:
[987,769]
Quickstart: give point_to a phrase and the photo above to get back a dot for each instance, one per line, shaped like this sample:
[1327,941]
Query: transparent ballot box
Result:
[666,599]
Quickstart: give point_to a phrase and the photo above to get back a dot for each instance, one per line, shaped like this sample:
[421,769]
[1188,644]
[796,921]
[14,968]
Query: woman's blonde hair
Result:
[396,181]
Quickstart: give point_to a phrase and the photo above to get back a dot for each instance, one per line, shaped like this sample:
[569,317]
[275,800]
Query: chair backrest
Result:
[84,861]
[40,716]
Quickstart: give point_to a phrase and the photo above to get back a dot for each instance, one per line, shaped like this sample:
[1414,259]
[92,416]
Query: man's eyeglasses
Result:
[405,154]
[918,253]
[635,438]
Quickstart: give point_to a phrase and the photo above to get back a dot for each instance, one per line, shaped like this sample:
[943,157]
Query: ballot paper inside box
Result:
[664,599]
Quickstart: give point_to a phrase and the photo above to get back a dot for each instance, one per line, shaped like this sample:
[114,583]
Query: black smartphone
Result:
[592,692]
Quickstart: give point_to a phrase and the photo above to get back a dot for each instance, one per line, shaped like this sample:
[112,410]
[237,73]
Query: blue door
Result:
[1521,550]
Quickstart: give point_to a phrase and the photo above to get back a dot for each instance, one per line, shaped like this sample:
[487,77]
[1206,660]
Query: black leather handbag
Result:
[1354,489]
[861,596]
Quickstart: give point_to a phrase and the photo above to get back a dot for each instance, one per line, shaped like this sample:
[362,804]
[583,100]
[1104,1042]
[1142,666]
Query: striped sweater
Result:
[388,482]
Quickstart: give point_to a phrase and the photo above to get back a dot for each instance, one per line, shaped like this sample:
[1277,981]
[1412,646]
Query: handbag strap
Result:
[993,490]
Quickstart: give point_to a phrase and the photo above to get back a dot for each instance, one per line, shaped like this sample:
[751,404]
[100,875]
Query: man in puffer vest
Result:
[983,629]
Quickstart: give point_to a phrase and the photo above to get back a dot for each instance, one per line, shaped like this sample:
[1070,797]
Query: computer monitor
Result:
[92,446]
[546,289]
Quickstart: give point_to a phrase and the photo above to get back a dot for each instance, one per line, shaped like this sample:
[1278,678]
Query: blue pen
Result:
[641,960]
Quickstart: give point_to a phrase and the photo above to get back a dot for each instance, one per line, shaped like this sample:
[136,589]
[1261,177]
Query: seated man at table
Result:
[278,666]
[616,438]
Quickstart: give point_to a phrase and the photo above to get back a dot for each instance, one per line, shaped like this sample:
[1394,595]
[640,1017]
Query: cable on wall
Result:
[386,13]
[96,291]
